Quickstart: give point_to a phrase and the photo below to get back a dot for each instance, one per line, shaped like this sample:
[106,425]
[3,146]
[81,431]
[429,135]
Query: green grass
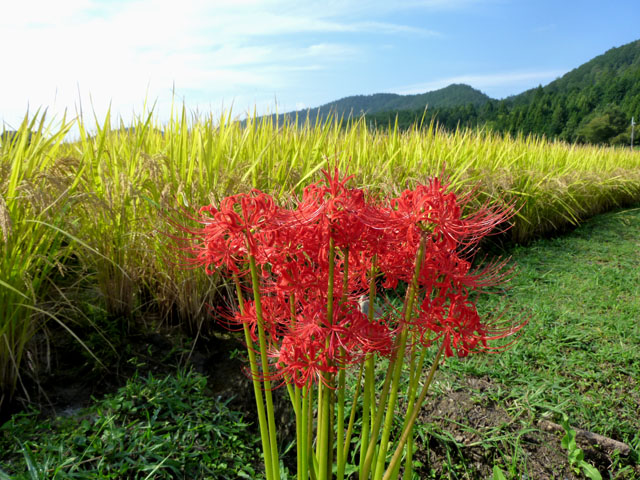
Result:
[151,428]
[579,356]
[580,353]
[582,343]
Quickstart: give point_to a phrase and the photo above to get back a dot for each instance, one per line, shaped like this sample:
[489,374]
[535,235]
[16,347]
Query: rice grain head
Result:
[5,220]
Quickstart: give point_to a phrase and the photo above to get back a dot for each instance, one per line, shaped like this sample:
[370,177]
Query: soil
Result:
[459,421]
[462,419]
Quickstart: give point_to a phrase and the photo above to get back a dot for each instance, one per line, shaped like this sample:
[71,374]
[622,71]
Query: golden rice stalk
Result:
[5,220]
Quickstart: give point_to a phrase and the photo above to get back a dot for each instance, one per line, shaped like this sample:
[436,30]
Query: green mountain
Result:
[615,73]
[592,103]
[451,96]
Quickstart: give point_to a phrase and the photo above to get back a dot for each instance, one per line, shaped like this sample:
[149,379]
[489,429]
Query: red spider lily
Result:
[291,248]
[310,262]
[454,321]
[233,230]
[313,346]
[301,362]
[276,318]
[426,208]
[337,209]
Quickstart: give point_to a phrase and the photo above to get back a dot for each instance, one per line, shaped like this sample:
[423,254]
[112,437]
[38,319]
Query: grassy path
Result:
[580,353]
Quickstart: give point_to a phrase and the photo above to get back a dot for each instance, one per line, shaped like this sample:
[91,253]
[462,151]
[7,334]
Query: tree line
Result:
[588,116]
[592,104]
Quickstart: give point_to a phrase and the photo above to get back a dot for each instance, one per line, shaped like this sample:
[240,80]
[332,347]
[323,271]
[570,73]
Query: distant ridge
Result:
[357,105]
[593,103]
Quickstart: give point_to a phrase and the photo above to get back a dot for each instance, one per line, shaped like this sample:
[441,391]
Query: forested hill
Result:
[615,73]
[592,103]
[451,96]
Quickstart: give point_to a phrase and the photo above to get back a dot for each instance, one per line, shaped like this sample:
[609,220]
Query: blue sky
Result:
[287,54]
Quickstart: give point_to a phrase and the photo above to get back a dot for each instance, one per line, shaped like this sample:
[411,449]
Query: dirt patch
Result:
[467,434]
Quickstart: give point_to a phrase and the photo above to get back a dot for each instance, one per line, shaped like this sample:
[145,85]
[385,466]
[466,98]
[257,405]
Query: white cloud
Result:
[121,51]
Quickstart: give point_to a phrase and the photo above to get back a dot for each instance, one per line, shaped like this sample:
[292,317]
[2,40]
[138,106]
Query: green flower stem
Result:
[395,367]
[367,408]
[294,396]
[368,396]
[301,434]
[257,387]
[296,400]
[391,405]
[377,421]
[408,463]
[413,415]
[352,416]
[345,276]
[370,314]
[330,286]
[332,433]
[340,454]
[319,419]
[415,369]
[311,460]
[325,420]
[340,459]
[255,281]
[371,372]
[298,412]
[291,390]
[323,434]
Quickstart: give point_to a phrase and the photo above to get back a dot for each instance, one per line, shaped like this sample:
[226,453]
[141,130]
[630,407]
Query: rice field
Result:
[86,221]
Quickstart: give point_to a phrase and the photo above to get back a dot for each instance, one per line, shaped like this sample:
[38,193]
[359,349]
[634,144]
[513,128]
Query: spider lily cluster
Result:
[309,266]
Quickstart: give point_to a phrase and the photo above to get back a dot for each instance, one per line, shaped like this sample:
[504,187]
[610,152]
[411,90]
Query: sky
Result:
[213,56]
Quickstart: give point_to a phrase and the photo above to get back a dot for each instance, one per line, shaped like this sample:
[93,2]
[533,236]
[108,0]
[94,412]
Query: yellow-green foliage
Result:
[108,195]
[35,185]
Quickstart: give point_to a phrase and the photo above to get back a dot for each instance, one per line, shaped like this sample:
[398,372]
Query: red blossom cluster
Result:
[340,229]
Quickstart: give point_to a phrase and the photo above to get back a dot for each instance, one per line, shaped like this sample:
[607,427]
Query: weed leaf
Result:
[590,471]
[498,473]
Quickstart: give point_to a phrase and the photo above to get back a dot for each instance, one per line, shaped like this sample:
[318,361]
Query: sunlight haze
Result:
[285,55]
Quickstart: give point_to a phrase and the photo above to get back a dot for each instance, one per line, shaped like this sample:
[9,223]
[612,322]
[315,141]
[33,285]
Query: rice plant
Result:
[35,185]
[111,195]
